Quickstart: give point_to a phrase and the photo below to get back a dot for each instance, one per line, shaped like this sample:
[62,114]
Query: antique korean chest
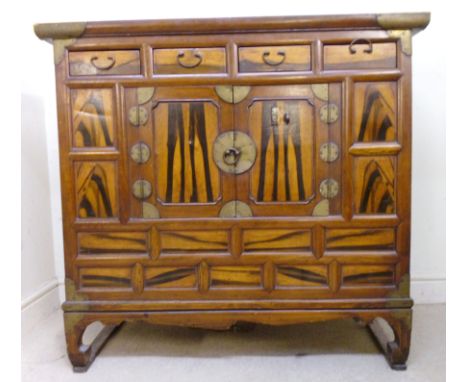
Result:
[236,170]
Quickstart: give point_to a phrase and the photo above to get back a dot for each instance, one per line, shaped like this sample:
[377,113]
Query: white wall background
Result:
[42,250]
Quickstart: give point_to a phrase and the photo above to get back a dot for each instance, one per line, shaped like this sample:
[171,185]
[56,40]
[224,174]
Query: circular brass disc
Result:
[150,211]
[235,209]
[237,141]
[329,188]
[329,152]
[320,91]
[142,189]
[140,152]
[137,115]
[329,113]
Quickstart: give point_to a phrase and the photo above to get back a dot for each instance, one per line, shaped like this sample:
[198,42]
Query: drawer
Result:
[108,62]
[360,55]
[189,61]
[274,58]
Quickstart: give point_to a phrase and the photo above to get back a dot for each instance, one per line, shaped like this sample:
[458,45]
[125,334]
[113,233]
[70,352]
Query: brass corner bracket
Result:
[405,37]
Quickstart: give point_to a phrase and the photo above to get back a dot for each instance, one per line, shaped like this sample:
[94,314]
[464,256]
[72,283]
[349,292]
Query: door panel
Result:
[297,134]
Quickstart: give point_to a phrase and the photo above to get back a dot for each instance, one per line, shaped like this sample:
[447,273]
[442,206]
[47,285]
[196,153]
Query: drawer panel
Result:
[360,56]
[189,61]
[179,242]
[360,239]
[274,58]
[108,62]
[304,276]
[235,277]
[277,240]
[101,243]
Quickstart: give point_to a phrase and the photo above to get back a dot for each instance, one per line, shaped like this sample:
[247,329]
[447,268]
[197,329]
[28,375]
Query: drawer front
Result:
[109,62]
[189,61]
[361,55]
[274,58]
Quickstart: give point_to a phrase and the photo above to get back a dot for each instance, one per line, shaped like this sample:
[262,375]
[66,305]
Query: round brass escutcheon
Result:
[329,188]
[329,152]
[140,152]
[142,189]
[235,209]
[329,113]
[138,115]
[234,152]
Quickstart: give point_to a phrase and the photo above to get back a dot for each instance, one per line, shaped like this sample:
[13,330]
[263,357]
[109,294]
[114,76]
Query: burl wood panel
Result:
[339,57]
[277,240]
[185,134]
[375,112]
[189,61]
[374,185]
[92,118]
[283,131]
[107,62]
[359,239]
[96,189]
[274,58]
[109,243]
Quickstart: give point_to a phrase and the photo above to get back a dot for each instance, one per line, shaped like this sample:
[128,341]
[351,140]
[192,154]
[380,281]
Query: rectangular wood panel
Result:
[360,239]
[189,61]
[105,278]
[106,62]
[277,240]
[306,276]
[92,118]
[101,243]
[193,241]
[170,277]
[274,58]
[362,275]
[370,55]
[235,277]
[96,189]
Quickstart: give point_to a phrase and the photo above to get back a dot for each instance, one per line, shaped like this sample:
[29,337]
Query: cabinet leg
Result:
[397,349]
[82,356]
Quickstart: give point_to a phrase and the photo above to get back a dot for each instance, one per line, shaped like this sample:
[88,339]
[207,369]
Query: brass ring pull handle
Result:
[231,156]
[110,64]
[368,50]
[267,60]
[197,55]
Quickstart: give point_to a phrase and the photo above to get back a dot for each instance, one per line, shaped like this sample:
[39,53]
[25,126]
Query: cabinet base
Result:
[390,327]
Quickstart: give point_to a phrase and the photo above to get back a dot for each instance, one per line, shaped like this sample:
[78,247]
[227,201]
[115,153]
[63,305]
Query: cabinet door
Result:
[170,140]
[296,131]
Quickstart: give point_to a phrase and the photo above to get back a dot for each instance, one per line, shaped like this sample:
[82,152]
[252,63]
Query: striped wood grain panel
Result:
[184,152]
[312,276]
[277,240]
[359,275]
[357,239]
[235,277]
[92,117]
[374,185]
[96,189]
[194,241]
[106,278]
[375,112]
[107,62]
[193,61]
[170,277]
[101,243]
[283,170]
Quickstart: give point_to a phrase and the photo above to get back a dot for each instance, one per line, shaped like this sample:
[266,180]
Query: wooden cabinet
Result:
[216,171]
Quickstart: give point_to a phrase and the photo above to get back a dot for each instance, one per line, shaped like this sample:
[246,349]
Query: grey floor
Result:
[328,351]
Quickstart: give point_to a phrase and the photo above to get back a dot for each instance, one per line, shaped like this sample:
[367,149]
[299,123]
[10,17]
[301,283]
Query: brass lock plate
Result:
[329,152]
[329,113]
[329,188]
[234,152]
[142,189]
[235,209]
[140,152]
[138,115]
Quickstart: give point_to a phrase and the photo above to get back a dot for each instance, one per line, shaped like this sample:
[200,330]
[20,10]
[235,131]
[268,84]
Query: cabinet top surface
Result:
[51,31]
